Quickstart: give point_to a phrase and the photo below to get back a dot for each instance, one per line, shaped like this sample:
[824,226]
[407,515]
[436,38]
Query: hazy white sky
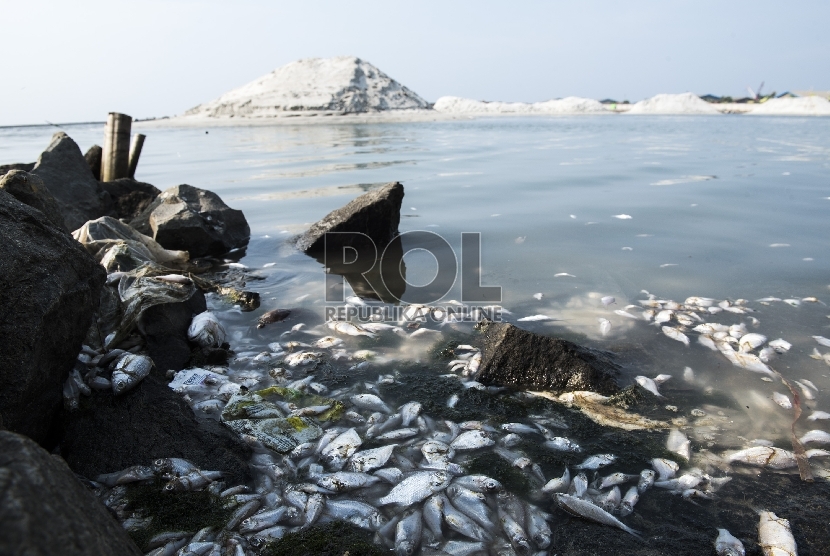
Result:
[76,61]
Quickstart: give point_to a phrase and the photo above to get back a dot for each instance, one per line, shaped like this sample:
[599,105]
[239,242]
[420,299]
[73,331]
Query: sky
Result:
[76,61]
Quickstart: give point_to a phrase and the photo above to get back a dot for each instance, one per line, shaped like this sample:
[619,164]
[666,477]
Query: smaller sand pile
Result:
[568,105]
[800,106]
[684,103]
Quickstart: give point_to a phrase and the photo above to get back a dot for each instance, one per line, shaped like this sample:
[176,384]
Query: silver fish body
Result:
[562,444]
[632,496]
[615,479]
[369,460]
[727,545]
[370,402]
[129,371]
[478,483]
[473,504]
[775,536]
[560,484]
[408,533]
[417,487]
[460,523]
[340,449]
[538,528]
[587,510]
[343,481]
[472,440]
[647,478]
[206,330]
[597,461]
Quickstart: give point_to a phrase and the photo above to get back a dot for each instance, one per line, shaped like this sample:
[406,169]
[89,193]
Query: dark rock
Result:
[24,166]
[93,157]
[151,421]
[67,176]
[45,510]
[516,357]
[29,189]
[194,220]
[376,214]
[49,290]
[130,197]
[164,328]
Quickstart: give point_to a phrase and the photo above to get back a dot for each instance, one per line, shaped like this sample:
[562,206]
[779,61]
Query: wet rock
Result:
[49,290]
[28,188]
[23,166]
[45,510]
[375,214]
[516,357]
[130,197]
[93,157]
[109,433]
[194,220]
[164,328]
[67,176]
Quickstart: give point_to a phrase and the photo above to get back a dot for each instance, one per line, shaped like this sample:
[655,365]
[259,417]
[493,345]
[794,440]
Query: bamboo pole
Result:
[135,153]
[115,159]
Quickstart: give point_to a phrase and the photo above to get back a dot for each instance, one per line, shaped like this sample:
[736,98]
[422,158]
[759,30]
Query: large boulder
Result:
[164,328]
[45,510]
[151,421]
[516,357]
[28,188]
[130,197]
[93,158]
[49,290]
[195,220]
[375,214]
[67,176]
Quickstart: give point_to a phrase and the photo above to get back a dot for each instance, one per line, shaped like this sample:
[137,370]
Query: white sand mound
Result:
[684,103]
[568,105]
[801,106]
[344,85]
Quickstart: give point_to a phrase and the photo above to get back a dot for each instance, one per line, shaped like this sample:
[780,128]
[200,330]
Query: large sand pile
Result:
[344,85]
[801,106]
[684,103]
[569,105]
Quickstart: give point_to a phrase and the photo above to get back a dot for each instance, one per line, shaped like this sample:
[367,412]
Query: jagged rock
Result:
[28,188]
[45,510]
[67,176]
[375,214]
[93,157]
[24,166]
[195,220]
[130,197]
[164,328]
[151,421]
[516,357]
[49,290]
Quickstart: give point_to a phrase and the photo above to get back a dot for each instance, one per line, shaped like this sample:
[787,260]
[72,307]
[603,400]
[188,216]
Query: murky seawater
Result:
[721,207]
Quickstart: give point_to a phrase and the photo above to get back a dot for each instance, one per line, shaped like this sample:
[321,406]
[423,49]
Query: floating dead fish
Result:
[206,330]
[348,328]
[771,457]
[587,510]
[822,340]
[416,487]
[626,314]
[817,436]
[560,484]
[665,468]
[608,300]
[775,536]
[597,461]
[535,318]
[604,326]
[675,334]
[646,480]
[471,440]
[272,316]
[782,400]
[750,341]
[679,444]
[615,479]
[816,415]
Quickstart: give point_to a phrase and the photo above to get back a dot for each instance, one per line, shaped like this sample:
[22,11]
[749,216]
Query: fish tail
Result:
[633,532]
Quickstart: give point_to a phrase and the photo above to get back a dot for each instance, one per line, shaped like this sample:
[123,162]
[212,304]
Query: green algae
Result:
[333,539]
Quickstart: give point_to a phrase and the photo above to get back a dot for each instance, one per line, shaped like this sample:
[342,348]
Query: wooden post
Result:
[115,160]
[135,152]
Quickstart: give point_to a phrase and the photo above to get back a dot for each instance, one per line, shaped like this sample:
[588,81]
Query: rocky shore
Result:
[109,345]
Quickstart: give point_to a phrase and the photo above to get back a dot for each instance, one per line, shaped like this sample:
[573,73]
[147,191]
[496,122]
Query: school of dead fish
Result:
[413,492]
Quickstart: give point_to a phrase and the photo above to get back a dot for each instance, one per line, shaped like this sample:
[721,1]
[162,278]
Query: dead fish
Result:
[398,434]
[129,371]
[408,533]
[130,475]
[582,508]
[808,395]
[632,496]
[339,449]
[562,444]
[775,536]
[514,531]
[675,334]
[519,428]
[206,330]
[750,341]
[649,385]
[727,545]
[610,501]
[817,436]
[665,468]
[416,487]
[647,477]
[765,456]
[782,400]
[460,523]
[538,528]
[343,481]
[472,440]
[615,479]
[370,402]
[173,467]
[369,460]
[478,483]
[622,313]
[597,461]
[780,345]
[302,358]
[816,415]
[604,326]
[579,485]
[473,504]
[679,444]
[272,316]
[663,316]
[348,328]
[194,480]
[608,300]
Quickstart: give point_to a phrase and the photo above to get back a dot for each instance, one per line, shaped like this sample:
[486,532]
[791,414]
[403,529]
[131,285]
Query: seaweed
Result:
[333,539]
[174,511]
